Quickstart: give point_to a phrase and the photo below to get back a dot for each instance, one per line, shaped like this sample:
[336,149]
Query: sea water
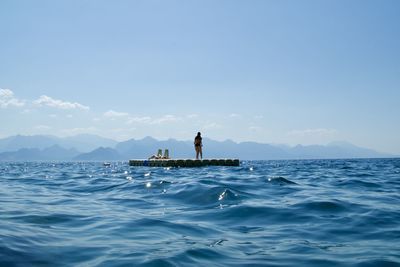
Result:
[263,213]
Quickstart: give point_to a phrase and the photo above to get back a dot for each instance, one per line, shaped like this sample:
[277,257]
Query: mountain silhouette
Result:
[81,142]
[54,152]
[92,147]
[101,153]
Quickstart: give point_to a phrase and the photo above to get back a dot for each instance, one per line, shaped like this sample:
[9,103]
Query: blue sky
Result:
[307,72]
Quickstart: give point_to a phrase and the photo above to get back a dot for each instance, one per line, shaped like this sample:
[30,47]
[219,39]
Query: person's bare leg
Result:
[201,152]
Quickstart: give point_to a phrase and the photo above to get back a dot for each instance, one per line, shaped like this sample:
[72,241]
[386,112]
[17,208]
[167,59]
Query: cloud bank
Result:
[7,99]
[115,114]
[45,100]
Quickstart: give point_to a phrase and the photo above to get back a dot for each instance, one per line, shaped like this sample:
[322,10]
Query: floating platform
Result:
[183,162]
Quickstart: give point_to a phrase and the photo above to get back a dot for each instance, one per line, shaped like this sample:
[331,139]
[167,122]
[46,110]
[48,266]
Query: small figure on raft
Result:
[198,144]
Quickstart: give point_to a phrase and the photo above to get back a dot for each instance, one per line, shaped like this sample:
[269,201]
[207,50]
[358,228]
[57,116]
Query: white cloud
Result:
[149,120]
[6,93]
[7,99]
[259,117]
[55,103]
[69,116]
[234,115]
[166,119]
[320,132]
[114,114]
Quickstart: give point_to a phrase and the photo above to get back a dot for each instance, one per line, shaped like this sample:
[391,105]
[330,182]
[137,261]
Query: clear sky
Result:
[272,71]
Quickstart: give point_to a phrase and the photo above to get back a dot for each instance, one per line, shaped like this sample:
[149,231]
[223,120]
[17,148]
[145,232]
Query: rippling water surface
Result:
[263,213]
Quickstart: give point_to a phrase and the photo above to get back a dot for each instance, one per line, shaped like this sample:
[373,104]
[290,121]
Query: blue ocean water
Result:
[263,213]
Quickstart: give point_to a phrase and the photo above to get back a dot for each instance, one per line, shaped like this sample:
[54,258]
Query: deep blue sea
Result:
[263,213]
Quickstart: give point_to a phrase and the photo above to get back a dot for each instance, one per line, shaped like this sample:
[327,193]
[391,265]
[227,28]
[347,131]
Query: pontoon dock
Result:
[183,162]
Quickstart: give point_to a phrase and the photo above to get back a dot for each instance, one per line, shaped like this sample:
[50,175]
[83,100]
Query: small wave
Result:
[378,262]
[163,227]
[156,263]
[358,183]
[323,206]
[48,219]
[255,216]
[201,195]
[247,229]
[228,195]
[188,257]
[203,254]
[280,180]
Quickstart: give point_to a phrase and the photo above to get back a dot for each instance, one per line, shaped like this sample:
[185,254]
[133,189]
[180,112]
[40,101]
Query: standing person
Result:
[198,146]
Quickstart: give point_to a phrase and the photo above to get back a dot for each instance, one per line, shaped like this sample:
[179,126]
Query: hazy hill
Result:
[82,142]
[86,142]
[101,153]
[17,142]
[332,150]
[54,152]
[245,150]
[148,146]
[42,147]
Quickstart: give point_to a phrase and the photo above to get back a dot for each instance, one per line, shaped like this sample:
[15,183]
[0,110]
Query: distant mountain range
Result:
[96,148]
[82,142]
